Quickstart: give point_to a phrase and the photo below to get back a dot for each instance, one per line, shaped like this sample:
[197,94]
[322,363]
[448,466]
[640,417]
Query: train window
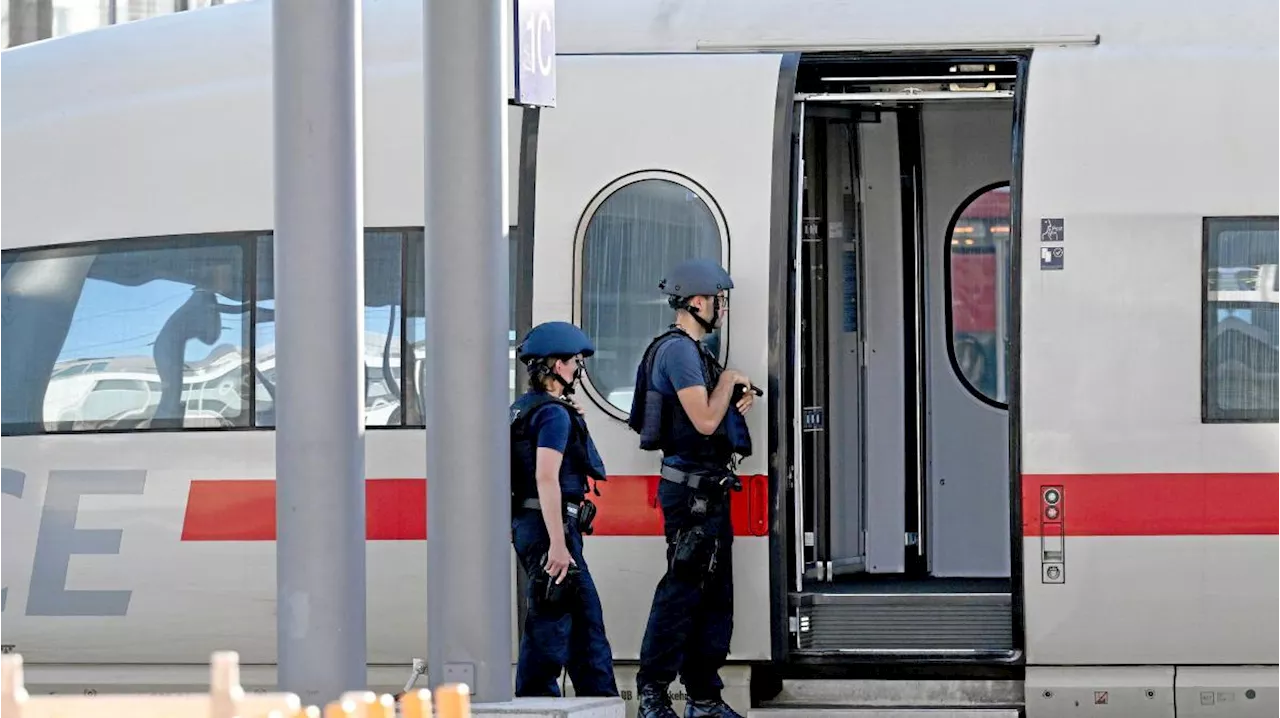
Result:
[416,324]
[636,229]
[1240,341]
[132,334]
[383,318]
[415,327]
[977,284]
[114,306]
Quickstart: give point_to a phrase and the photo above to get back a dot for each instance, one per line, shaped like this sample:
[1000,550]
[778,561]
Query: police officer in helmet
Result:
[691,409]
[553,461]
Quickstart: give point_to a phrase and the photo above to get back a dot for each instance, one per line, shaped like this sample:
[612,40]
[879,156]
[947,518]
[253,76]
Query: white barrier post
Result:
[225,693]
[12,692]
[225,699]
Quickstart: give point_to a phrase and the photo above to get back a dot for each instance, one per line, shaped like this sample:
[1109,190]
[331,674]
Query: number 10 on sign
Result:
[535,52]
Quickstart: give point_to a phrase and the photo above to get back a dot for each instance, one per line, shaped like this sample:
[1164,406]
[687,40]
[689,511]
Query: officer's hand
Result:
[744,404]
[558,561]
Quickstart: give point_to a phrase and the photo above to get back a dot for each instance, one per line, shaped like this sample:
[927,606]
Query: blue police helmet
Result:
[554,339]
[695,278]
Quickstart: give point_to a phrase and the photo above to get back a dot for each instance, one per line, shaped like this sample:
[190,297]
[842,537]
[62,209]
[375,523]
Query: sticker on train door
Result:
[1050,258]
[1052,229]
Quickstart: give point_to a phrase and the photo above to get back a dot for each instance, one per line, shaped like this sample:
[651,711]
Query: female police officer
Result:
[552,459]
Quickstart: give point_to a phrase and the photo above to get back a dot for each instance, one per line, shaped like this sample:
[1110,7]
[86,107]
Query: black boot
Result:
[709,709]
[655,703]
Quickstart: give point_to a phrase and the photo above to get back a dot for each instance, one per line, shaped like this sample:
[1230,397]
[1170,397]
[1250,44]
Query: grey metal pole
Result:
[466,392]
[319,280]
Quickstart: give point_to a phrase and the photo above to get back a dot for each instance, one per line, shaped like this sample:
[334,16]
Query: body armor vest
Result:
[581,461]
[663,424]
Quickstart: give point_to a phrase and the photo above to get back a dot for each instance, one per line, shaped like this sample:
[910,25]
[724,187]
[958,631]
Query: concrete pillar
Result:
[319,280]
[468,475]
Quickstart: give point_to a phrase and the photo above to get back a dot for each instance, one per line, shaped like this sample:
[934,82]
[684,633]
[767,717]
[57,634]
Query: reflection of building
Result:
[124,392]
[27,21]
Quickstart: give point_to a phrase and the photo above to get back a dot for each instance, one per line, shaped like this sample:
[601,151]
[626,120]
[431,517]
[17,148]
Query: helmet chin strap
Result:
[578,370]
[567,387]
[708,327]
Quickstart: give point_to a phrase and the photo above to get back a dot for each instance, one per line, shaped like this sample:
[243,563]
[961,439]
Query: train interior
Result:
[901,525]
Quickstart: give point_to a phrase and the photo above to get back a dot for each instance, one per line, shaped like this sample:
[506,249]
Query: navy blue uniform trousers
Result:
[691,622]
[574,639]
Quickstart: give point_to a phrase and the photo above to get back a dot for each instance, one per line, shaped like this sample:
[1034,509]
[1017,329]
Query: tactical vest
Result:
[581,461]
[663,424]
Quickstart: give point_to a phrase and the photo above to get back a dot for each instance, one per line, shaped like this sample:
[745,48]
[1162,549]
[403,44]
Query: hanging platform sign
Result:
[535,52]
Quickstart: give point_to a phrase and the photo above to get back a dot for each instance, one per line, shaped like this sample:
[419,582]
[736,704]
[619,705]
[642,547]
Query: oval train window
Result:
[634,231]
[977,282]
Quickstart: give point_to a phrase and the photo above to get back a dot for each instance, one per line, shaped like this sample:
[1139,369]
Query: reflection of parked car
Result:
[125,392]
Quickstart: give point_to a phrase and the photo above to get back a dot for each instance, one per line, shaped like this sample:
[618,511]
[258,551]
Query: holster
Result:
[586,517]
[695,550]
[694,554]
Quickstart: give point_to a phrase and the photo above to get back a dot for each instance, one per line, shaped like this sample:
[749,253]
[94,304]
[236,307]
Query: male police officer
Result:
[689,407]
[552,459]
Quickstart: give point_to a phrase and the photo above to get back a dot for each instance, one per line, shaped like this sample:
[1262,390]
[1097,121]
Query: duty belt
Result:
[693,480]
[570,509]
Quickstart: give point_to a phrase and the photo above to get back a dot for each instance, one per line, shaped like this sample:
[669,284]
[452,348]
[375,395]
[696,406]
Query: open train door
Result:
[644,162]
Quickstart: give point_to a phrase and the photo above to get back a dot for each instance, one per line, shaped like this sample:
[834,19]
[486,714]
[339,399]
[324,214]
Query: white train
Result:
[1008,268]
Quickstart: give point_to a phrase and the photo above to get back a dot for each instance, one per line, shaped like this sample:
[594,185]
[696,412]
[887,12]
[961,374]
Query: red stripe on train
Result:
[1152,504]
[396,509]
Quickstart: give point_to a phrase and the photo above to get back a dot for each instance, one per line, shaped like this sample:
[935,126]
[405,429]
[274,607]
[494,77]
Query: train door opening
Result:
[901,493]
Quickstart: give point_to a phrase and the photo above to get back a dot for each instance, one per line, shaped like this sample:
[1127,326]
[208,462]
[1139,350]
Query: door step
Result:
[920,622]
[884,712]
[894,699]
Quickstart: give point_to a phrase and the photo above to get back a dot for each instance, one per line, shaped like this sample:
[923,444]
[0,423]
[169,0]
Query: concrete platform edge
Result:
[553,708]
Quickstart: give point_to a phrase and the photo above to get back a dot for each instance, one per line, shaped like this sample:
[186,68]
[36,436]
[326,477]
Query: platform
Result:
[552,708]
[882,713]
[893,699]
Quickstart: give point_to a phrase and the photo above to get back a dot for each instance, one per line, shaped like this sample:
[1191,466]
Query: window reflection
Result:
[382,322]
[1242,289]
[155,333]
[979,277]
[415,328]
[635,236]
[24,21]
[416,325]
[73,16]
[125,335]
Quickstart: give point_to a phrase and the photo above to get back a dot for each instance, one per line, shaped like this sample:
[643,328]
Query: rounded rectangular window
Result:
[1241,326]
[126,335]
[635,230]
[978,290]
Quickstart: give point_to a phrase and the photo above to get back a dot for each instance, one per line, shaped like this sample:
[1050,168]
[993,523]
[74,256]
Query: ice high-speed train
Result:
[1007,269]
